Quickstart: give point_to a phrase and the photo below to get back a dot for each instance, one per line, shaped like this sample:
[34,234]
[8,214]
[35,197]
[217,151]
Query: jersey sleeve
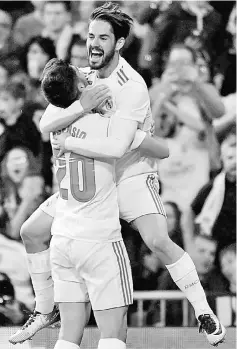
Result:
[133,102]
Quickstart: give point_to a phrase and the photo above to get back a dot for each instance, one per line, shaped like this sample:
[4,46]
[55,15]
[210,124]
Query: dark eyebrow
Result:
[104,35]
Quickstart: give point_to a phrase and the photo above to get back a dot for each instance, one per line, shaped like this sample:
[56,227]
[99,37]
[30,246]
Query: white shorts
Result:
[89,271]
[137,196]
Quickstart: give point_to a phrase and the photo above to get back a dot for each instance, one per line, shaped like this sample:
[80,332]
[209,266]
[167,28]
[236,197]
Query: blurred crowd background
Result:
[186,52]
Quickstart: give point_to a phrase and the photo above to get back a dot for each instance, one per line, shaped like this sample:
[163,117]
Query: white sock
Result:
[40,271]
[111,343]
[61,344]
[184,274]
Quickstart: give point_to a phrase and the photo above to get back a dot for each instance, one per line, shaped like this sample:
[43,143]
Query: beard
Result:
[101,61]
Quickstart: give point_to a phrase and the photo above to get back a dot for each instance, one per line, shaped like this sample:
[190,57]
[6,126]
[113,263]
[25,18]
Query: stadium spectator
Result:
[22,189]
[84,9]
[29,25]
[212,281]
[37,53]
[228,265]
[77,52]
[57,18]
[189,104]
[18,128]
[214,208]
[192,22]
[9,52]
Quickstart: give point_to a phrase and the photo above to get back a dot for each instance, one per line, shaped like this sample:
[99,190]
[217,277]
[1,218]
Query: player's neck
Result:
[108,70]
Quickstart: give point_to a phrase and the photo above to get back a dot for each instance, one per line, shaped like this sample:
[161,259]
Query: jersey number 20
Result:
[86,180]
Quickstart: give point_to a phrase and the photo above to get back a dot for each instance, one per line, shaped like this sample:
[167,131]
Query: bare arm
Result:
[210,99]
[154,147]
[110,147]
[122,129]
[55,118]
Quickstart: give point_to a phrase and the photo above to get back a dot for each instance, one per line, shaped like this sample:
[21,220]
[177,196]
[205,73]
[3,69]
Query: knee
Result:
[25,231]
[32,234]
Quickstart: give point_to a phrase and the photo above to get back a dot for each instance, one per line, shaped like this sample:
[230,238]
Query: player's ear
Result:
[120,43]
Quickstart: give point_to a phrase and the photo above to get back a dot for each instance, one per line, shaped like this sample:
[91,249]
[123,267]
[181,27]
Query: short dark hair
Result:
[76,40]
[16,89]
[59,83]
[119,21]
[46,44]
[67,4]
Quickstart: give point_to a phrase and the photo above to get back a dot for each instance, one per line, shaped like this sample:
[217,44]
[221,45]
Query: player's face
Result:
[100,44]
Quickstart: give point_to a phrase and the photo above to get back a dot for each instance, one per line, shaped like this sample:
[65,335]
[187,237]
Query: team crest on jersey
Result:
[107,108]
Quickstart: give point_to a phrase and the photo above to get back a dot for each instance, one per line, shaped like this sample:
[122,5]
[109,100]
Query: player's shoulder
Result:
[127,76]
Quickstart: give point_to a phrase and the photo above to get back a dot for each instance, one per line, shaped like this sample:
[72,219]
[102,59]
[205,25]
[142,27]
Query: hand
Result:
[12,312]
[92,97]
[58,142]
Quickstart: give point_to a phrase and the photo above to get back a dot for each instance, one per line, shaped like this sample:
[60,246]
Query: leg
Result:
[36,236]
[107,274]
[182,271]
[112,324]
[148,215]
[70,292]
[74,318]
[35,233]
[178,263]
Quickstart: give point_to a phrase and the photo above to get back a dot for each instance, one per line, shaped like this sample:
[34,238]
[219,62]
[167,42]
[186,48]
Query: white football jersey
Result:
[87,207]
[126,84]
